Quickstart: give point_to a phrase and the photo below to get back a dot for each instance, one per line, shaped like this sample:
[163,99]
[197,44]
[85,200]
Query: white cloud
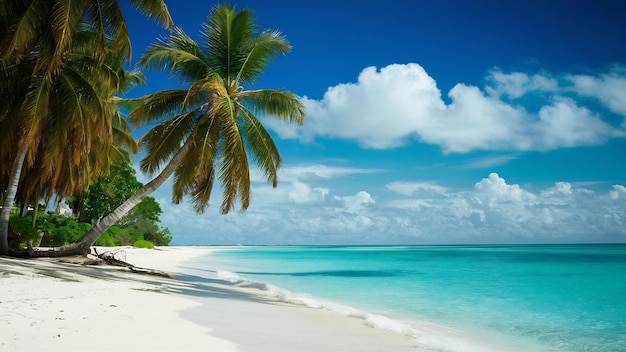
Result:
[356,202]
[411,188]
[517,84]
[609,88]
[397,104]
[618,192]
[312,211]
[494,189]
[564,124]
[301,172]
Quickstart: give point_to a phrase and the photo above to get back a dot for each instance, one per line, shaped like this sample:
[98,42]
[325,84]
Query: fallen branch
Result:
[109,258]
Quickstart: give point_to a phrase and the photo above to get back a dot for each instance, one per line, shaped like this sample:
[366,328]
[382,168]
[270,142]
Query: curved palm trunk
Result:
[14,181]
[83,244]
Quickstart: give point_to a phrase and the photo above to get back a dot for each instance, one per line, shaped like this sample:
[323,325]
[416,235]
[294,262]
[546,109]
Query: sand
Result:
[50,306]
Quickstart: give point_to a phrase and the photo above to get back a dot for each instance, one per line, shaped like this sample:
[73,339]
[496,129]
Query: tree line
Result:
[62,127]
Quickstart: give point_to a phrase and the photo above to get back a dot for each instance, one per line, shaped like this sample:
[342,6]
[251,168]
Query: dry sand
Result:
[50,306]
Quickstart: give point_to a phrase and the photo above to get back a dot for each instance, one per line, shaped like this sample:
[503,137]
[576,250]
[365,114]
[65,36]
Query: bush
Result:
[61,230]
[143,244]
[23,227]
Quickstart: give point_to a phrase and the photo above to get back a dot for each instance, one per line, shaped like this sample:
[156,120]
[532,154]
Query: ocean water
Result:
[452,298]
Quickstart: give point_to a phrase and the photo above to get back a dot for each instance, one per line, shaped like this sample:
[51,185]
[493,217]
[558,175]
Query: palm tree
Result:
[36,38]
[60,19]
[209,129]
[84,145]
[78,112]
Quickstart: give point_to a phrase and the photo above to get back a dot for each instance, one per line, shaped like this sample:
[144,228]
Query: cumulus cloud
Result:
[397,104]
[411,188]
[564,124]
[356,202]
[494,189]
[608,88]
[618,191]
[496,211]
[308,210]
[518,84]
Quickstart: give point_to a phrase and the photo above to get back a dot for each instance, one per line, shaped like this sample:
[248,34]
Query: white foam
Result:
[427,335]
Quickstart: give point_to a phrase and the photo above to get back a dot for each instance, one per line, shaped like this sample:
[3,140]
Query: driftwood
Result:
[108,258]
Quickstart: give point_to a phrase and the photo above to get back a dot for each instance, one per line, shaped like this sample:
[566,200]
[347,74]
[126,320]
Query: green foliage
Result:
[140,223]
[59,230]
[143,244]
[161,237]
[110,191]
[23,226]
[147,210]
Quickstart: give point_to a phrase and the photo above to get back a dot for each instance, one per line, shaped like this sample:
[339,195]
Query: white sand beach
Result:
[46,305]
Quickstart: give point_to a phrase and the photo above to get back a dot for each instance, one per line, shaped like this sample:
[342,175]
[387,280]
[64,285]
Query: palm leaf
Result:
[234,171]
[196,173]
[164,141]
[28,27]
[155,9]
[225,38]
[65,17]
[262,50]
[178,54]
[202,90]
[156,106]
[262,147]
[283,105]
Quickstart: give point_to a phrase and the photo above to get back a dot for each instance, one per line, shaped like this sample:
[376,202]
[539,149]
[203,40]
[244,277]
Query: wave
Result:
[427,335]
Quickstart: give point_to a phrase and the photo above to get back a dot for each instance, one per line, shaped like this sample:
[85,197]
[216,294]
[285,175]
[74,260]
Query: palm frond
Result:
[28,27]
[122,136]
[280,104]
[262,49]
[226,36]
[203,185]
[262,147]
[196,173]
[37,104]
[115,27]
[178,54]
[65,17]
[201,90]
[131,79]
[156,106]
[155,9]
[165,140]
[234,172]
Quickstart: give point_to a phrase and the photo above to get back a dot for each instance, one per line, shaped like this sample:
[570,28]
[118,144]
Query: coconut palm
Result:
[209,130]
[36,38]
[80,148]
[60,19]
[79,114]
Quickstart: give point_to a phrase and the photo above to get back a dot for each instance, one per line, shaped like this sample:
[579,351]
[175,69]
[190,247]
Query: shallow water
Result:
[453,298]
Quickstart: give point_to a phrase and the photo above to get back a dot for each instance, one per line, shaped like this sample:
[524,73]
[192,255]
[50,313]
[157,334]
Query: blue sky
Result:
[431,122]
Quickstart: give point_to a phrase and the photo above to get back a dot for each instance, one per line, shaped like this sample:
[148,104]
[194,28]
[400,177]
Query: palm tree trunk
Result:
[5,214]
[84,243]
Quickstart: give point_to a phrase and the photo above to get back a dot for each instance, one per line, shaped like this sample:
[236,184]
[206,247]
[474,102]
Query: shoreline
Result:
[48,305]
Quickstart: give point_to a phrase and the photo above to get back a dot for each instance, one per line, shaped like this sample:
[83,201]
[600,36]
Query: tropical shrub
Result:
[143,244]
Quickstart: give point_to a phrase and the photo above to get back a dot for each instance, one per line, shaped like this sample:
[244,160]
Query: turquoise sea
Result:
[452,298]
